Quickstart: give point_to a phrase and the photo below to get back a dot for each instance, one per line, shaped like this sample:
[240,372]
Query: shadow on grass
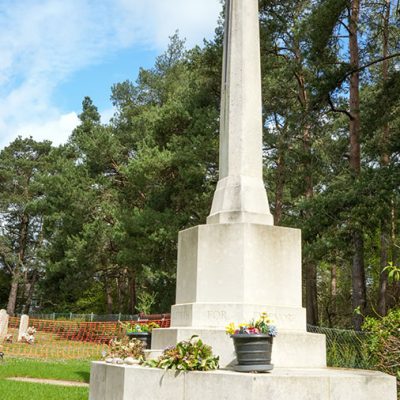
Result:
[85,375]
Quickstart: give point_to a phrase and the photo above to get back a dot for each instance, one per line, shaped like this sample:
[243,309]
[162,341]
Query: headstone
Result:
[23,326]
[3,324]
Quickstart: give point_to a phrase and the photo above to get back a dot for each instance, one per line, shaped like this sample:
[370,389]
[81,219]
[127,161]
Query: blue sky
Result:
[55,52]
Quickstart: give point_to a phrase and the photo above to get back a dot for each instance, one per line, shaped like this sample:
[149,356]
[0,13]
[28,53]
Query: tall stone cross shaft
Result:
[240,195]
[238,264]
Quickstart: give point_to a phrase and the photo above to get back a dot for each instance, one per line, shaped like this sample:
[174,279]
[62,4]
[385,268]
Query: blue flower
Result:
[272,331]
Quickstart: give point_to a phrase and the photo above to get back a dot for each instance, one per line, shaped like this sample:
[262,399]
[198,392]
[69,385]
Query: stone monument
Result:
[23,326]
[239,265]
[3,324]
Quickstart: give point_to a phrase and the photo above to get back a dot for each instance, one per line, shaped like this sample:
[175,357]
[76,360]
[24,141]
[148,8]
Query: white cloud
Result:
[57,130]
[156,20]
[43,42]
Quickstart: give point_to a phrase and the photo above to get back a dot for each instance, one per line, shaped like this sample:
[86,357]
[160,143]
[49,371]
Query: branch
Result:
[338,110]
[6,264]
[348,74]
[378,60]
[346,27]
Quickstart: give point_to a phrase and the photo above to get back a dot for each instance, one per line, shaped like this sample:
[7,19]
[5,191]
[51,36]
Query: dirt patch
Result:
[49,381]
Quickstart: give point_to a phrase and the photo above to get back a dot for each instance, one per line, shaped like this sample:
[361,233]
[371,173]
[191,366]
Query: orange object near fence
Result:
[55,339]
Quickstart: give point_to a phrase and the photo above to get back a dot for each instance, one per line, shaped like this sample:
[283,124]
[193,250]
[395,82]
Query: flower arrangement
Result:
[29,335]
[124,351]
[139,328]
[262,325]
[187,355]
[9,338]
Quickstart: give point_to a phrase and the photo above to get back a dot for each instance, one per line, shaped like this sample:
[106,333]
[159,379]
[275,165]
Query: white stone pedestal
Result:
[240,263]
[114,382]
[232,273]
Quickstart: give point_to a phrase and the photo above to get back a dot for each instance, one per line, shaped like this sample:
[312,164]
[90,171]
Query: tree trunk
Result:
[280,184]
[311,293]
[311,268]
[355,120]
[359,298]
[12,297]
[29,294]
[383,279]
[385,161]
[333,281]
[132,293]
[119,294]
[23,240]
[109,299]
[333,294]
[310,265]
[358,281]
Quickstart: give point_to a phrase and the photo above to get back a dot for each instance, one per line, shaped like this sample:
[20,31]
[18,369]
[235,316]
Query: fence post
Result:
[91,317]
[70,316]
[54,316]
[119,317]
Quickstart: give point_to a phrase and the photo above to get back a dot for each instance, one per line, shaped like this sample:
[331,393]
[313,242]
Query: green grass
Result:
[68,370]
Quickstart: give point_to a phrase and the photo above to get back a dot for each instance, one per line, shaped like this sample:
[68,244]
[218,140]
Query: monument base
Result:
[290,349]
[115,382]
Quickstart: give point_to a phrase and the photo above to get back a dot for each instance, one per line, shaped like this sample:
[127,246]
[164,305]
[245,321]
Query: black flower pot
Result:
[253,352]
[144,337]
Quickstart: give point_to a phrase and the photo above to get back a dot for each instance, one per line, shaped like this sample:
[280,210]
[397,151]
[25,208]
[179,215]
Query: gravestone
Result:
[23,326]
[3,324]
[238,265]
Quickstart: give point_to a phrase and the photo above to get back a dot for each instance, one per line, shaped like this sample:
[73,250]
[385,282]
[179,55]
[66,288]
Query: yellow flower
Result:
[230,329]
[264,318]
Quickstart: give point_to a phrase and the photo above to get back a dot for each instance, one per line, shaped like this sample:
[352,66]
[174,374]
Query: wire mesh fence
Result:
[95,317]
[345,348]
[66,339]
[85,336]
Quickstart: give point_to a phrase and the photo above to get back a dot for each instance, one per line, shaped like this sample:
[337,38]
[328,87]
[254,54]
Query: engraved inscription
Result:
[181,315]
[276,317]
[216,314]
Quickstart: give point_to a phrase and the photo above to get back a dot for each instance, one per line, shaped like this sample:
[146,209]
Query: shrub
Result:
[383,342]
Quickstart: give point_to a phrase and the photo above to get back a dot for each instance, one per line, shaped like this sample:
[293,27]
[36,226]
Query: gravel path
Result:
[49,381]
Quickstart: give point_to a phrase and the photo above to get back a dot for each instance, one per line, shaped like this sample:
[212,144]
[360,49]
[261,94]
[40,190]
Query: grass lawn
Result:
[72,370]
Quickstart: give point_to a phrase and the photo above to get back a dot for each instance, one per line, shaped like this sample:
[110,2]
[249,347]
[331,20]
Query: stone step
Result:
[114,382]
[152,354]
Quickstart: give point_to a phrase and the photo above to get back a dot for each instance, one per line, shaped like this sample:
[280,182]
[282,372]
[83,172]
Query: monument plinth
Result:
[239,265]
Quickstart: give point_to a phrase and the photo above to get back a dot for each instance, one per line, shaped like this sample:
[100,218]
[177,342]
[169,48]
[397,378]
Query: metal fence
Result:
[345,348]
[95,317]
[66,339]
